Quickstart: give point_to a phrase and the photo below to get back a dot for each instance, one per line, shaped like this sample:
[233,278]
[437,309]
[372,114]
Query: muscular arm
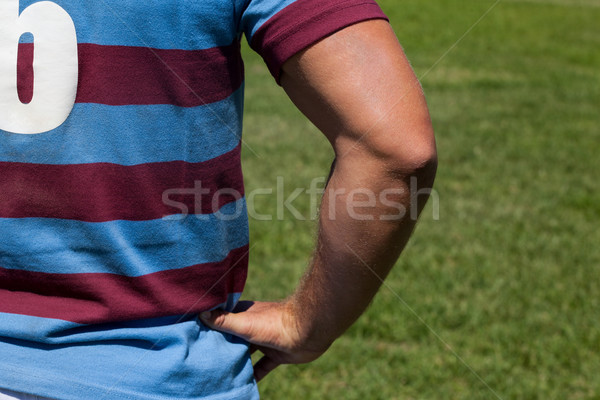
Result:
[358,88]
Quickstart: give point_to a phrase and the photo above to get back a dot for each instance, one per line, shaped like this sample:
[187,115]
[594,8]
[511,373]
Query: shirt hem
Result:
[67,389]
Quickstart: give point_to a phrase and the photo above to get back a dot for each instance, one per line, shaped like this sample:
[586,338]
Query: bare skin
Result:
[358,88]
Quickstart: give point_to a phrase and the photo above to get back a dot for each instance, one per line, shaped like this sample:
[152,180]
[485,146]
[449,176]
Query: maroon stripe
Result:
[123,75]
[305,22]
[25,72]
[99,298]
[103,192]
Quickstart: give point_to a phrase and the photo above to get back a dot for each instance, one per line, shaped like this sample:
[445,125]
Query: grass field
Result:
[499,298]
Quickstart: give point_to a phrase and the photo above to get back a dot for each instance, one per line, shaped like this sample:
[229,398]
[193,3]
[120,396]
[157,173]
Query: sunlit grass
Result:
[502,293]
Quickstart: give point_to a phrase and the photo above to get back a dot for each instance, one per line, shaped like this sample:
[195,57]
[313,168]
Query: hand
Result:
[272,328]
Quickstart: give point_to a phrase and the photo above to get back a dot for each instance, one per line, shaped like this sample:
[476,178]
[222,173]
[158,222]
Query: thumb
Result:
[235,323]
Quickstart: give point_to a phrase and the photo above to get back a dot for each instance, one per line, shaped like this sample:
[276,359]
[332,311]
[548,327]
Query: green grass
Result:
[502,293]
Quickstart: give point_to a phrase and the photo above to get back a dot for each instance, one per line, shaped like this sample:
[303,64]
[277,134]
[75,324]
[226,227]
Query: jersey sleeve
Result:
[278,29]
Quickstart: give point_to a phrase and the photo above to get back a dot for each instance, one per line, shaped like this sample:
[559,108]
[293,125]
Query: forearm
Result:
[357,246]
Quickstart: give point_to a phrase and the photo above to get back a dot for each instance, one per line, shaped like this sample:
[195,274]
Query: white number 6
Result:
[55,66]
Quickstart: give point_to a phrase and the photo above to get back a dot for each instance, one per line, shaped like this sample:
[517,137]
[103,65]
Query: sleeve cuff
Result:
[304,23]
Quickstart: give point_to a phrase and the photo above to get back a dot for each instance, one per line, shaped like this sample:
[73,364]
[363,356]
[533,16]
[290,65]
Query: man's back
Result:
[121,196]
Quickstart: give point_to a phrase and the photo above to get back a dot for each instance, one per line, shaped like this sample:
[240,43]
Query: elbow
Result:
[421,164]
[391,153]
[411,156]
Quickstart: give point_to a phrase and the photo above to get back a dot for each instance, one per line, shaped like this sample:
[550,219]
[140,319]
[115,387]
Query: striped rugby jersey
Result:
[122,210]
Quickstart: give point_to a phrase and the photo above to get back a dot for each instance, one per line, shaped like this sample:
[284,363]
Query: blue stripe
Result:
[260,11]
[131,248]
[135,360]
[129,135]
[164,24]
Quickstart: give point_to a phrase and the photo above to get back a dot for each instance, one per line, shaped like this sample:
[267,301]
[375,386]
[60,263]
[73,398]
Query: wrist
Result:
[311,329]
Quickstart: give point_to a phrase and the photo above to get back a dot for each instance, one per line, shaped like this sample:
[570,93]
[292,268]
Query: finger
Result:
[263,367]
